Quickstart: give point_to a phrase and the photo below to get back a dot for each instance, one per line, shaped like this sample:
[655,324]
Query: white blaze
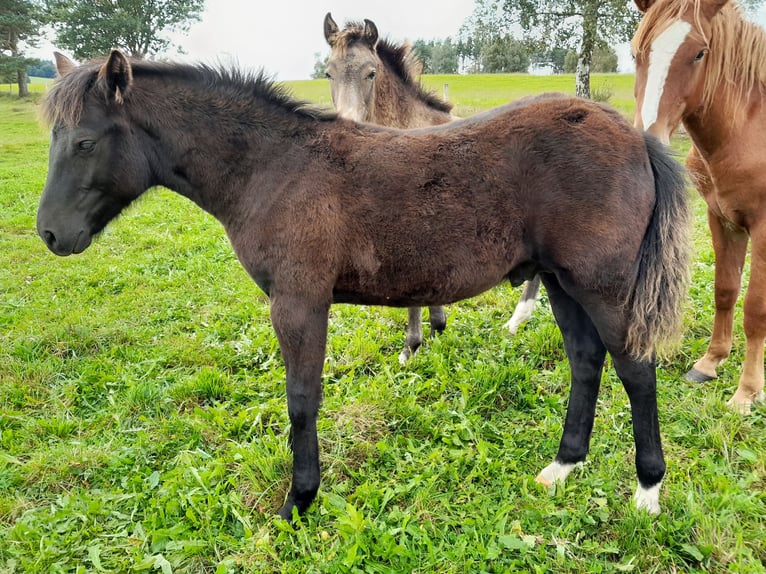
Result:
[663,51]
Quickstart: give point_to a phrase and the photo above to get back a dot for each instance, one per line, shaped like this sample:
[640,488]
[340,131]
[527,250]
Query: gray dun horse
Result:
[373,80]
[552,185]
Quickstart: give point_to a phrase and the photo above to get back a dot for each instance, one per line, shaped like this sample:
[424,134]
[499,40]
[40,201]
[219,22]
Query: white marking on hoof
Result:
[648,498]
[554,472]
[521,315]
[404,356]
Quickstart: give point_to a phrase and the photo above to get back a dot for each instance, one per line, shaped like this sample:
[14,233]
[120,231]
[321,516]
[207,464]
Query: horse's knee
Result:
[726,297]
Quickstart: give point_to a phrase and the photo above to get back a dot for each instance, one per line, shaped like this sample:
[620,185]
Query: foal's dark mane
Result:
[400,59]
[64,101]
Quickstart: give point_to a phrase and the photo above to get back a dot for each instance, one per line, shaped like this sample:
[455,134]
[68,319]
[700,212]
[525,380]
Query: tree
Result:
[43,69]
[20,23]
[423,50]
[320,65]
[605,60]
[444,58]
[91,28]
[504,54]
[575,24]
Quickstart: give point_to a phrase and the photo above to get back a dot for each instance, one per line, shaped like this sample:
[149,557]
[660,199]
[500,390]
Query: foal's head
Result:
[87,184]
[689,52]
[352,67]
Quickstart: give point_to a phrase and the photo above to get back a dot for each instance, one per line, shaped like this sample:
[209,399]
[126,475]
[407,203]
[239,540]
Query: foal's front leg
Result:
[301,328]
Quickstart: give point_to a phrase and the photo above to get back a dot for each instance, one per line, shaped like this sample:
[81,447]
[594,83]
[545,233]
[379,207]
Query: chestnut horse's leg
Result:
[524,307]
[750,387]
[586,354]
[301,329]
[730,248]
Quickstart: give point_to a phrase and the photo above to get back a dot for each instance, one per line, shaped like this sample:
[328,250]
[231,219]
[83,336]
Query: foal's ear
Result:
[63,64]
[370,34]
[330,29]
[644,5]
[117,74]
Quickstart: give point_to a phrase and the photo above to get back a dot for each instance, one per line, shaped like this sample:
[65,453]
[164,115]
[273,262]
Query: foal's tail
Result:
[656,302]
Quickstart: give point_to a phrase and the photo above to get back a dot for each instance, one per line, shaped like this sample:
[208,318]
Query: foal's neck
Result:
[210,148]
[400,105]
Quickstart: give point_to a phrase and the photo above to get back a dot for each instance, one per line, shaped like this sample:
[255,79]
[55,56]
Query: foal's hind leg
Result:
[586,355]
[640,382]
[525,306]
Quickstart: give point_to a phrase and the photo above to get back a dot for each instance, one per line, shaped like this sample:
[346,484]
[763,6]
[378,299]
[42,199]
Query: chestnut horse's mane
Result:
[737,64]
[64,101]
[399,59]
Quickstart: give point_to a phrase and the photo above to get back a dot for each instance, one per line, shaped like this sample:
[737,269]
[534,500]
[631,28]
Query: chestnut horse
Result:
[552,185]
[700,63]
[373,80]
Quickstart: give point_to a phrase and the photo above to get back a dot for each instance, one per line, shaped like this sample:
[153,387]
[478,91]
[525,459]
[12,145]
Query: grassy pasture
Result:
[143,424]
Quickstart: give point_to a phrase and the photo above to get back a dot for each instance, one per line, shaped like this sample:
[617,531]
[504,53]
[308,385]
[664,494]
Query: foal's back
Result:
[488,195]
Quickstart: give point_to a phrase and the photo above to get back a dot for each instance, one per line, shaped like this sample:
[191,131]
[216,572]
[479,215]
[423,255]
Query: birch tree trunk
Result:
[585,58]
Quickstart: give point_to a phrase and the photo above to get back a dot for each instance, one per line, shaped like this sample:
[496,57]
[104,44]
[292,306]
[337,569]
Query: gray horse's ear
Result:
[330,29]
[63,64]
[644,5]
[117,74]
[370,33]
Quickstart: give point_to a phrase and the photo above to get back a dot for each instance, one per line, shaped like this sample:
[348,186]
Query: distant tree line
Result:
[495,53]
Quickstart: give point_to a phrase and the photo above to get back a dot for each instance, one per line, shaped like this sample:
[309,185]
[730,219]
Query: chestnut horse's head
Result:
[352,67]
[672,48]
[89,182]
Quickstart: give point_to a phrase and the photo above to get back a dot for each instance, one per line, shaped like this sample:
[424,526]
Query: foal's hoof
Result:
[554,472]
[696,376]
[648,498]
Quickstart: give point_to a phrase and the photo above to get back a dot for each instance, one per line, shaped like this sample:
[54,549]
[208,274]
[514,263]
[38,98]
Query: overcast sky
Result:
[283,36]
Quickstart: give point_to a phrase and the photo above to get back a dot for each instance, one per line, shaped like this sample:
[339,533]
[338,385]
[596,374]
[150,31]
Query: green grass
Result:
[143,424]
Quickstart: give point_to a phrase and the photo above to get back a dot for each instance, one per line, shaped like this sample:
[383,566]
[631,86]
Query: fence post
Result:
[446,92]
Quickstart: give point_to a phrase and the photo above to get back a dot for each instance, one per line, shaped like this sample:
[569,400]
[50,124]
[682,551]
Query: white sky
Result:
[283,36]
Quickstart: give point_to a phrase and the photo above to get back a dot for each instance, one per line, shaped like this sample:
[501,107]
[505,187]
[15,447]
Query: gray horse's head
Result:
[352,67]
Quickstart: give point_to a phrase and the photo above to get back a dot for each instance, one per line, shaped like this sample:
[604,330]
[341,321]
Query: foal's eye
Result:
[700,55]
[371,75]
[327,75]
[86,145]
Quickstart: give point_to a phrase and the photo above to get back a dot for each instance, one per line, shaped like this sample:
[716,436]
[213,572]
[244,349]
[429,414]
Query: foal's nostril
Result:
[49,238]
